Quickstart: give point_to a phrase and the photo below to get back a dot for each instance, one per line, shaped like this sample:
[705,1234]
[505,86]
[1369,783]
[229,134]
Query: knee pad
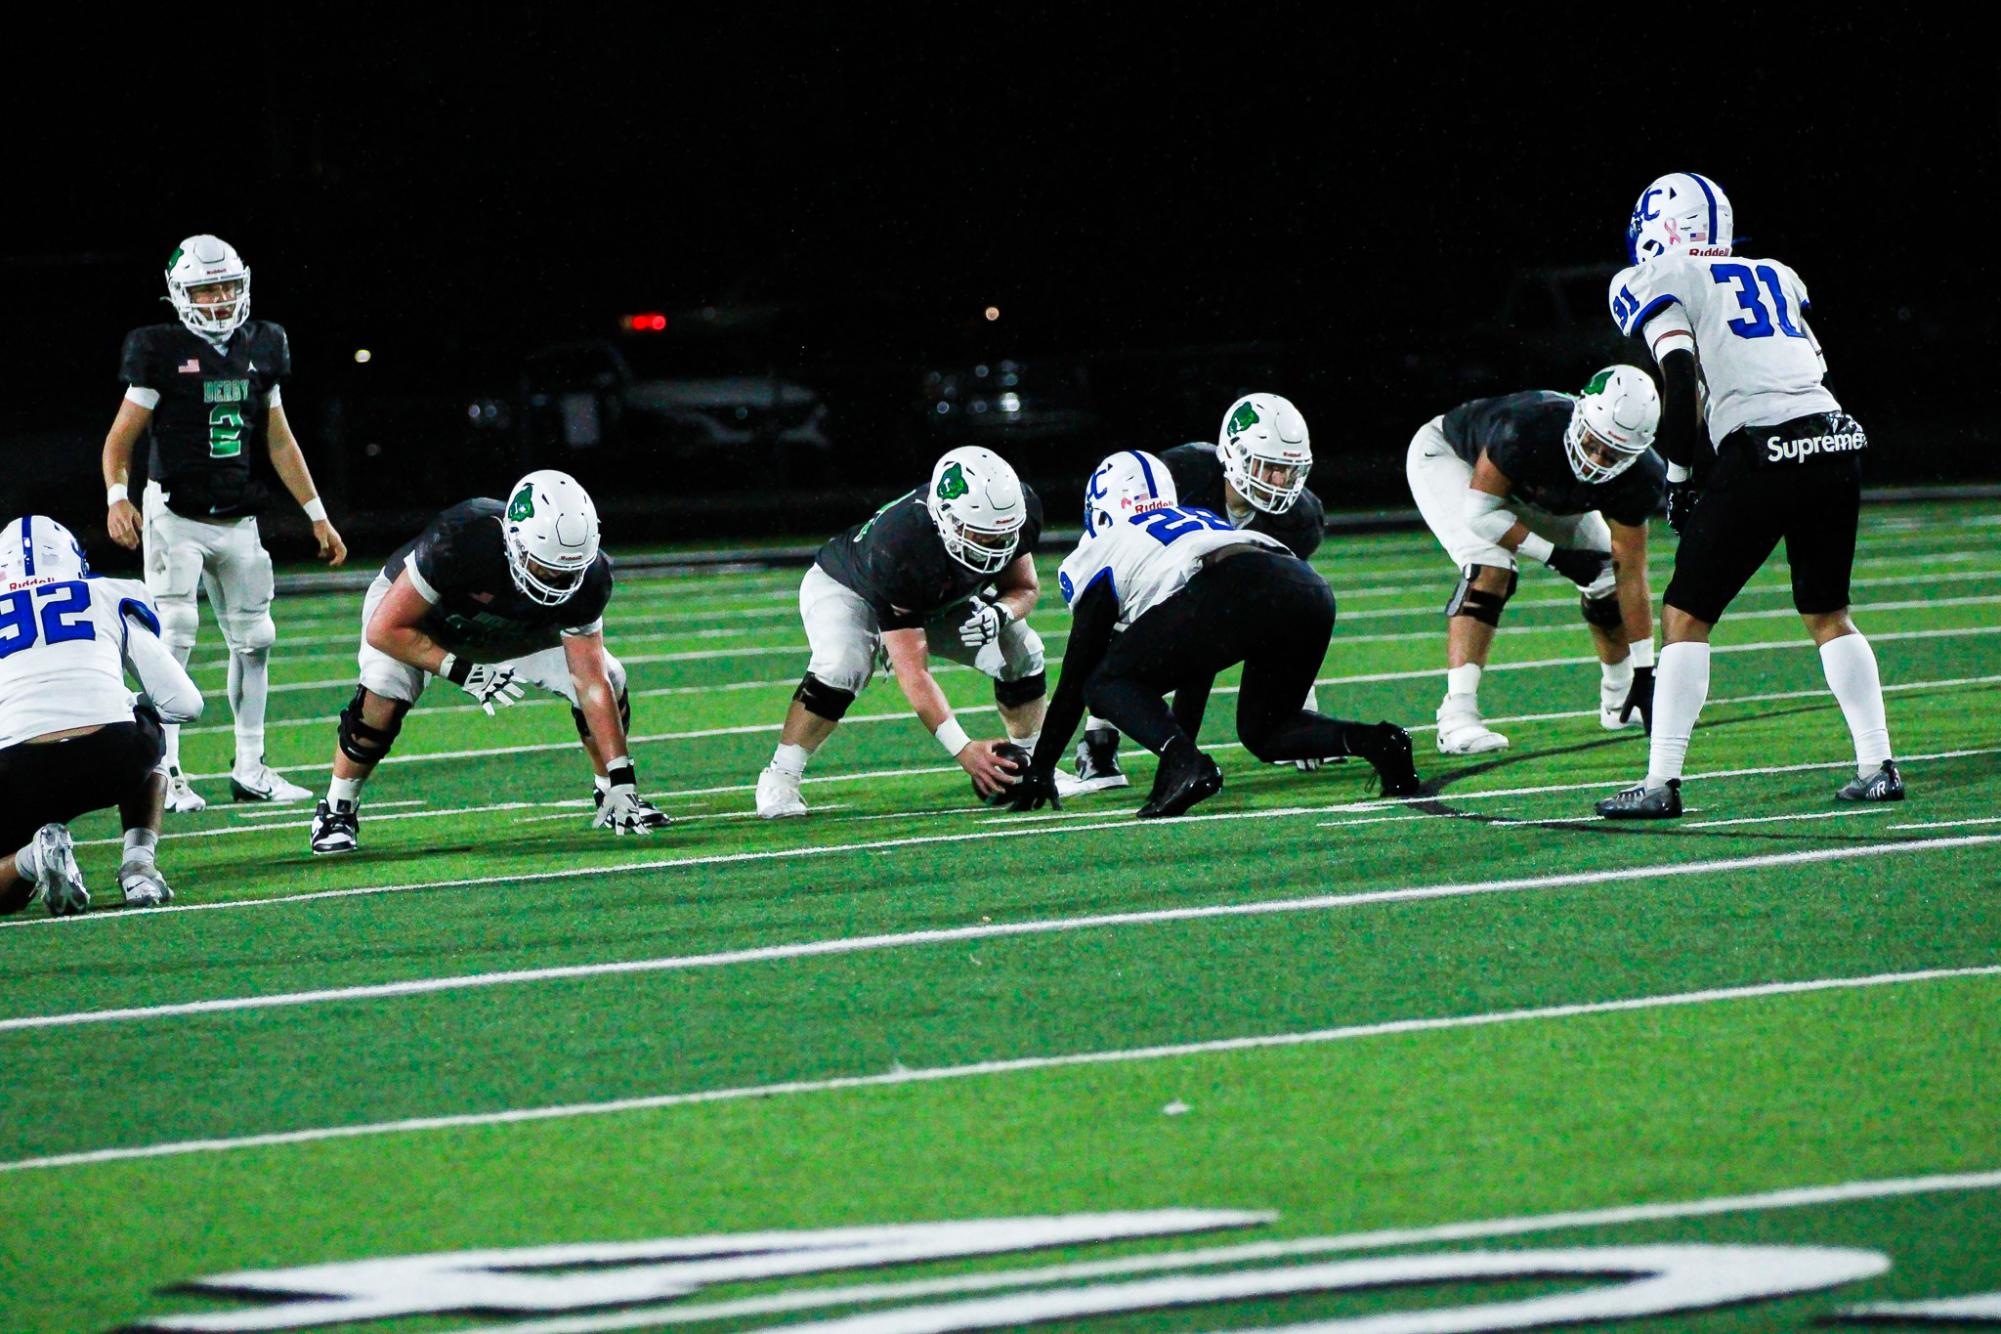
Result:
[1477,603]
[624,717]
[1601,612]
[1014,694]
[822,700]
[178,621]
[362,742]
[247,634]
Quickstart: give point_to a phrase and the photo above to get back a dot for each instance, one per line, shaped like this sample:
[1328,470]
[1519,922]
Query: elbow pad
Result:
[1488,515]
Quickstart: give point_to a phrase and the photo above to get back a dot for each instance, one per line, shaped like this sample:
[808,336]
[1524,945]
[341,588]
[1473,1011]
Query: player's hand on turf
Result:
[1682,498]
[488,684]
[122,520]
[1036,789]
[626,812]
[332,550]
[992,774]
[985,623]
[1641,698]
[1579,566]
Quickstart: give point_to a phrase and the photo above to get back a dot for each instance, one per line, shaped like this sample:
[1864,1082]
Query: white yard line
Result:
[814,949]
[1777,819]
[935,1074]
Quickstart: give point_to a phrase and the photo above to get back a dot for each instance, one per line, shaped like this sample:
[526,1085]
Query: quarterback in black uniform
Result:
[948,569]
[491,594]
[206,392]
[1254,476]
[1569,481]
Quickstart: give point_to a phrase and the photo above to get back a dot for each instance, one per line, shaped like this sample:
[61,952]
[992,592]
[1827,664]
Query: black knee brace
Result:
[624,717]
[361,742]
[822,700]
[1014,694]
[1481,605]
[1601,612]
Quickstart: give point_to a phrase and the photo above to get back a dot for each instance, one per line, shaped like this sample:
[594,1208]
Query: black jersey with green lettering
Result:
[213,409]
[1522,434]
[899,565]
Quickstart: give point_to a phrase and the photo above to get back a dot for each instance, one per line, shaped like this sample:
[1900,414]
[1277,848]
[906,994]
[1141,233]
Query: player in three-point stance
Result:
[1568,480]
[1162,598]
[207,393]
[948,569]
[72,736]
[1786,465]
[490,595]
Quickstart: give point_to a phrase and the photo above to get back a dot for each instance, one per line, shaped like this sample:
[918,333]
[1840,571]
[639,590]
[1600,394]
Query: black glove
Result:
[1682,498]
[1641,697]
[1036,787]
[1579,566]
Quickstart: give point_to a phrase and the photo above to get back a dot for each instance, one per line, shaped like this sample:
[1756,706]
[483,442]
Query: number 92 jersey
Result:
[62,654]
[1148,558]
[1759,359]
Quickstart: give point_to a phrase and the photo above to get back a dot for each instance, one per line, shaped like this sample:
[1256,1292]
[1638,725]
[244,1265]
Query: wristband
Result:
[952,737]
[1641,653]
[316,510]
[1536,547]
[1678,474]
[115,493]
[620,773]
[455,669]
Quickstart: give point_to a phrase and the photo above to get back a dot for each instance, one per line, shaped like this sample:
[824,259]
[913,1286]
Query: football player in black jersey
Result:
[492,594]
[1565,480]
[948,569]
[1254,476]
[206,392]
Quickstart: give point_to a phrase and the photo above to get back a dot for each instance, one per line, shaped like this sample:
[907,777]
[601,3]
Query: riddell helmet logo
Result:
[522,507]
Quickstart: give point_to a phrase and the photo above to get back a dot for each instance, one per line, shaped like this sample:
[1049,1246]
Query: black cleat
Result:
[1886,784]
[336,830]
[1640,802]
[1387,748]
[1185,777]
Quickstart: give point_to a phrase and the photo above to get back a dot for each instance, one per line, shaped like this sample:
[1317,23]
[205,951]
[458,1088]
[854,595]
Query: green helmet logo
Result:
[523,505]
[952,483]
[1243,419]
[174,258]
[1598,381]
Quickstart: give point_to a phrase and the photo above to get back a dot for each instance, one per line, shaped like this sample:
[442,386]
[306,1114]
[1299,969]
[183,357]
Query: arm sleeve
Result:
[1093,618]
[164,683]
[1680,418]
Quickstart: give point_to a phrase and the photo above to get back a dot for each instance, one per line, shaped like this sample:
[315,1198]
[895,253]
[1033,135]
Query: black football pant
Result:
[53,782]
[1267,610]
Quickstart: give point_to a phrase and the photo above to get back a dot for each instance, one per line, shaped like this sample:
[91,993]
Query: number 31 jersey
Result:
[62,654]
[1148,558]
[1759,359]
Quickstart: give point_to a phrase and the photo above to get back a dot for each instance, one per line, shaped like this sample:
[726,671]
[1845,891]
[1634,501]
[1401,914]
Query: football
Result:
[1015,757]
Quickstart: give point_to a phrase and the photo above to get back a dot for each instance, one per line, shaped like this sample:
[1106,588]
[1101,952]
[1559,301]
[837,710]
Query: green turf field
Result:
[1389,1048]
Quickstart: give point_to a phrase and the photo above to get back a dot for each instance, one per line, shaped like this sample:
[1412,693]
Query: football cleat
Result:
[60,885]
[1611,703]
[182,799]
[1185,777]
[778,795]
[1097,766]
[1462,732]
[264,783]
[336,828]
[1640,802]
[1885,784]
[143,885]
[1387,748]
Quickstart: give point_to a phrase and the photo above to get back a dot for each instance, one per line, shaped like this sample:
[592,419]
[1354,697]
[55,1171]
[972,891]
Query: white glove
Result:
[985,624]
[1307,766]
[626,812]
[489,685]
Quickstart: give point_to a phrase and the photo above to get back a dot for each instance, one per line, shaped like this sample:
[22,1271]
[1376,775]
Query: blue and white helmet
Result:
[35,548]
[1680,211]
[1127,483]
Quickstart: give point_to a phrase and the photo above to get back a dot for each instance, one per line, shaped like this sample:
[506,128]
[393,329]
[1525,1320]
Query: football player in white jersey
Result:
[206,394]
[1162,598]
[1783,462]
[72,737]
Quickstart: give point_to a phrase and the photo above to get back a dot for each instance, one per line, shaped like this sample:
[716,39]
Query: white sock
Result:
[1681,684]
[26,864]
[139,845]
[1093,723]
[1850,665]
[1464,679]
[172,731]
[1617,675]
[181,651]
[249,690]
[345,790]
[1027,743]
[790,759]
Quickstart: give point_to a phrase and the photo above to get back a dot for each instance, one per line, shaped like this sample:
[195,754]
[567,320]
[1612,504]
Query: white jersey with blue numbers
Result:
[63,652]
[1148,558]
[1761,363]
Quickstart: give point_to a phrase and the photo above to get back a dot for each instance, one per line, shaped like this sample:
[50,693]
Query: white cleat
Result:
[1462,732]
[778,795]
[143,885]
[182,799]
[60,885]
[1611,699]
[264,783]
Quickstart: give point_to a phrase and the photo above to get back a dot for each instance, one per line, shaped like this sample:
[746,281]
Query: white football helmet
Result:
[1612,424]
[35,547]
[552,535]
[1677,212]
[1127,483]
[978,505]
[1265,451]
[198,262]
